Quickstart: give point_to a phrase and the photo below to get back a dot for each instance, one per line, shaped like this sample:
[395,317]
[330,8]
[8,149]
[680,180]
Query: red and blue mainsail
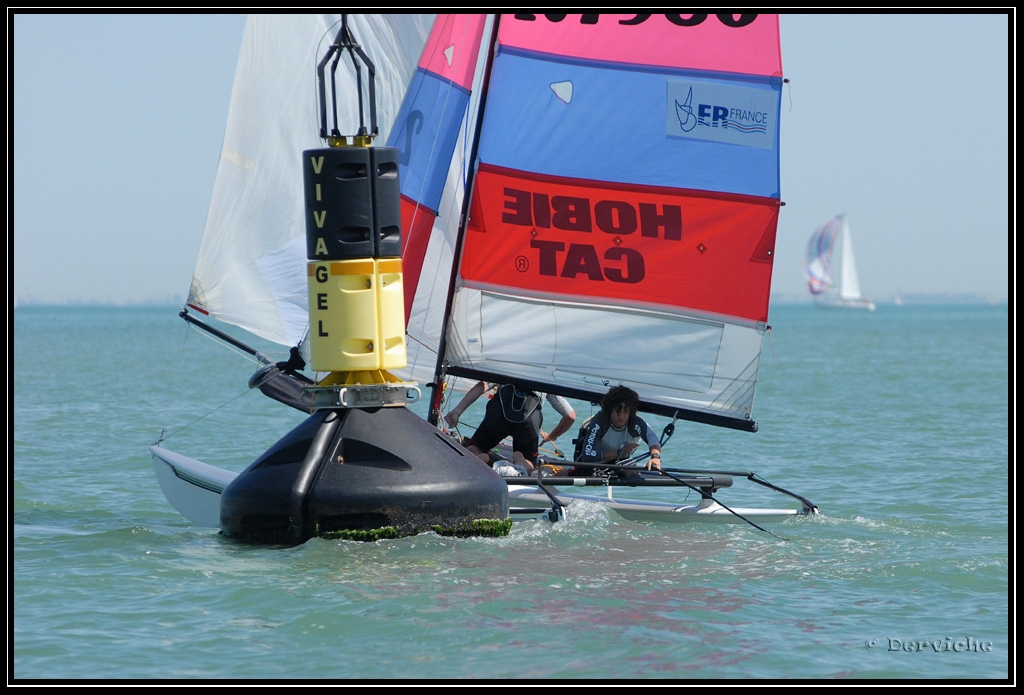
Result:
[633,160]
[624,209]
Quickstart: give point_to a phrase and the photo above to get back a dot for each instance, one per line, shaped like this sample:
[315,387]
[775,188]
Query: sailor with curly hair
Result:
[615,432]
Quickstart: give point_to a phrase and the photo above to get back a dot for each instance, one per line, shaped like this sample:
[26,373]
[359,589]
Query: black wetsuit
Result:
[513,411]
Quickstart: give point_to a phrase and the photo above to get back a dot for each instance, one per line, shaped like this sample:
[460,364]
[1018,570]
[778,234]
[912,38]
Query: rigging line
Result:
[443,401]
[189,331]
[164,436]
[421,343]
[554,450]
[507,442]
[423,347]
[181,361]
[192,328]
[628,462]
[670,429]
[254,358]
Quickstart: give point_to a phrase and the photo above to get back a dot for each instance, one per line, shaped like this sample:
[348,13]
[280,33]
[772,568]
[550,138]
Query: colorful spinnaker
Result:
[831,267]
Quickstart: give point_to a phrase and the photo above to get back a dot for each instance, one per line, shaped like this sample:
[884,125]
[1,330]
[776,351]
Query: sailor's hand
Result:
[452,418]
[655,462]
[627,450]
[544,438]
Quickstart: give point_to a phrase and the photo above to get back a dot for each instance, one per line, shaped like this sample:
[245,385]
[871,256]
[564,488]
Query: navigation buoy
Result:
[362,465]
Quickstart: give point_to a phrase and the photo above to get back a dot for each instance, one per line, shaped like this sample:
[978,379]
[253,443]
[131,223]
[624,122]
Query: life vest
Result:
[517,404]
[601,419]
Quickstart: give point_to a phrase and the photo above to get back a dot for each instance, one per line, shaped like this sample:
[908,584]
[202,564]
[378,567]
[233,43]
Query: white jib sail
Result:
[252,261]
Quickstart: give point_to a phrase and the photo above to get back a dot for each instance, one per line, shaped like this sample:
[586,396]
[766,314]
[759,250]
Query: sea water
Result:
[895,423]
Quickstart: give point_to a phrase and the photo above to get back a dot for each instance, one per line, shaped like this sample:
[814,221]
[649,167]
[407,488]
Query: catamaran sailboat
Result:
[586,200]
[832,269]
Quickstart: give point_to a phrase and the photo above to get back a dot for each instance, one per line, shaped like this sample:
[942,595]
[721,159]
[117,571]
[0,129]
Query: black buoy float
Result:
[364,474]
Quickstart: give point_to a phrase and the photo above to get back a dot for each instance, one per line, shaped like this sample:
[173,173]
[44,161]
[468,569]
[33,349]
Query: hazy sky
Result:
[901,121]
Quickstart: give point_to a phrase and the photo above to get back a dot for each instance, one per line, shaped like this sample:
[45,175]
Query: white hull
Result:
[706,511]
[846,304]
[193,488]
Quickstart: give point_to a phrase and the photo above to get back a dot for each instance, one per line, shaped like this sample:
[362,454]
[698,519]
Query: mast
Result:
[437,387]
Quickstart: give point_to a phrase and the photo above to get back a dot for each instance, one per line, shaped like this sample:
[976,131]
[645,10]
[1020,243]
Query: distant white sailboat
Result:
[832,269]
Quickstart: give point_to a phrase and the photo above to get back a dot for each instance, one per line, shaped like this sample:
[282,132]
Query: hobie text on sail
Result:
[571,237]
[579,214]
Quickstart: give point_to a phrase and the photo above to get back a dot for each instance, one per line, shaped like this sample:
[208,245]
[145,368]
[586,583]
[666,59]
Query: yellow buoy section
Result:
[356,314]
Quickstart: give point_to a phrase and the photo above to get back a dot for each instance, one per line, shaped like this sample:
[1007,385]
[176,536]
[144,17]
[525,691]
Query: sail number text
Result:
[681,20]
